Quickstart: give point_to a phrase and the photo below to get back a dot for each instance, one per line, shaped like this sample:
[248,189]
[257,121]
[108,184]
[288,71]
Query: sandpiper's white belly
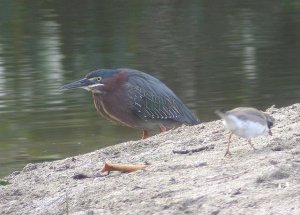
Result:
[245,128]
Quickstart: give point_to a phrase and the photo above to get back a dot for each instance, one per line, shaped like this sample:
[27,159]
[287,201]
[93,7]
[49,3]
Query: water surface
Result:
[212,54]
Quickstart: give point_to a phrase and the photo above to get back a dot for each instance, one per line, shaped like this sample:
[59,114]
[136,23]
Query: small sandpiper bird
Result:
[246,122]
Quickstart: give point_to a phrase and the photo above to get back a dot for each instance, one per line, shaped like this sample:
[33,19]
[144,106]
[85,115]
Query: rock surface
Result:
[201,181]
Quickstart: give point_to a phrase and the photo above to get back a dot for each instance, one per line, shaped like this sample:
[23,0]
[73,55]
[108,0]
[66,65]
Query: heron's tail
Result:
[190,118]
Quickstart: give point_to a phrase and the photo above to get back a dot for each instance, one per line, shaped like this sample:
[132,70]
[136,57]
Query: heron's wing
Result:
[151,99]
[149,105]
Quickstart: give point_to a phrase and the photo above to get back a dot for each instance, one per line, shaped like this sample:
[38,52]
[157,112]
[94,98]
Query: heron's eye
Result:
[98,79]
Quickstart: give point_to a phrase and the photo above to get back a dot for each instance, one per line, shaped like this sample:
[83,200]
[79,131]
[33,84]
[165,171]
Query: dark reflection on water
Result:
[212,54]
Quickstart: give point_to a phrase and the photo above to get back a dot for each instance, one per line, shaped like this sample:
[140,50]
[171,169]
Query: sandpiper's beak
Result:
[83,83]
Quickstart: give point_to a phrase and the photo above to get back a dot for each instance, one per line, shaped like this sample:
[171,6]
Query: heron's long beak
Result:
[83,83]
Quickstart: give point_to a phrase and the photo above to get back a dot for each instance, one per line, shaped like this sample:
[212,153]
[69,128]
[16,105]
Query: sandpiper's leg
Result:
[249,141]
[162,128]
[229,139]
[145,134]
[228,145]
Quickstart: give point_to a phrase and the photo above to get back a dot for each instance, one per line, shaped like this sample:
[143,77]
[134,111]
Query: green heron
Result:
[246,122]
[135,99]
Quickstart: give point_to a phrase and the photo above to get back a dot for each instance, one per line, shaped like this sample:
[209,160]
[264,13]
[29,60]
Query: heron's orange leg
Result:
[145,134]
[162,128]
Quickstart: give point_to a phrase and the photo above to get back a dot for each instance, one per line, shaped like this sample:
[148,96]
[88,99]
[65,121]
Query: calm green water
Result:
[211,53]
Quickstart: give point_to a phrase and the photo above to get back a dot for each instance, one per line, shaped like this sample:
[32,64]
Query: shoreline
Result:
[264,181]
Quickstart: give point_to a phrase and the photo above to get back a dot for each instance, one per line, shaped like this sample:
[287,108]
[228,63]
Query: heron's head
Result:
[94,81]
